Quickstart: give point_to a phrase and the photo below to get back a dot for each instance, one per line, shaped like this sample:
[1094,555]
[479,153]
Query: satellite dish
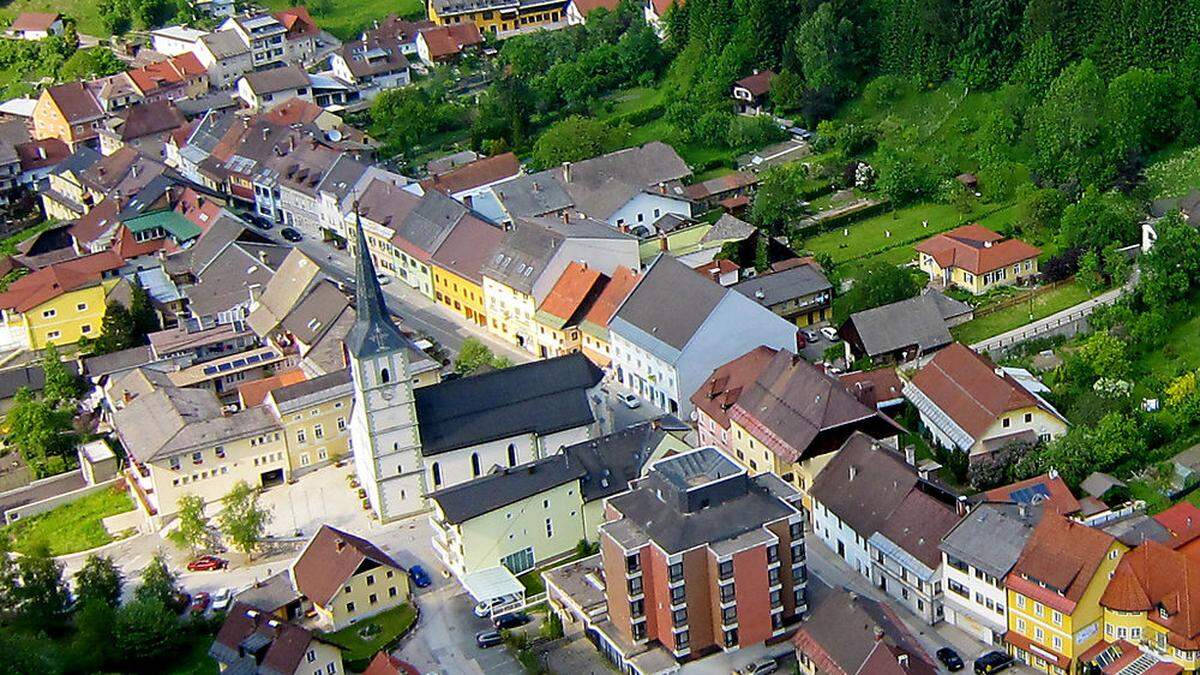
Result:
[333,135]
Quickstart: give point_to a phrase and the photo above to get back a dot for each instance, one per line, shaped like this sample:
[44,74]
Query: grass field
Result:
[392,624]
[1054,300]
[72,527]
[1182,352]
[85,13]
[1173,172]
[346,19]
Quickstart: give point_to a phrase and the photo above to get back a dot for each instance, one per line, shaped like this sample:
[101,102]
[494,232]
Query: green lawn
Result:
[1182,352]
[392,623]
[1173,172]
[867,241]
[1054,300]
[85,13]
[72,527]
[346,19]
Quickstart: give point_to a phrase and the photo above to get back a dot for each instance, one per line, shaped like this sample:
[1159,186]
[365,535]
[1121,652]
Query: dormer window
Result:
[1163,613]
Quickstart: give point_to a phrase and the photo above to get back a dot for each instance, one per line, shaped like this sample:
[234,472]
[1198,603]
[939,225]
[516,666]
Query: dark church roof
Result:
[373,332]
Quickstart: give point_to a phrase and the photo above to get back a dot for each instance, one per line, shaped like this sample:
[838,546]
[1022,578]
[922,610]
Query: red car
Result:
[200,602]
[207,563]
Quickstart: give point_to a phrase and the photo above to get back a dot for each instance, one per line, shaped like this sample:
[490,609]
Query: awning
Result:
[492,583]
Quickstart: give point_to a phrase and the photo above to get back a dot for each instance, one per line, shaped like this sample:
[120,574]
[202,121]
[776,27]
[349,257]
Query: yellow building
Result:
[498,17]
[510,313]
[457,281]
[61,304]
[562,310]
[546,506]
[976,259]
[347,578]
[1149,607]
[1054,591]
[315,415]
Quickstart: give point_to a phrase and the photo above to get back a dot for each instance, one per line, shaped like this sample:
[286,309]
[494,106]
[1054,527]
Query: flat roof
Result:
[491,583]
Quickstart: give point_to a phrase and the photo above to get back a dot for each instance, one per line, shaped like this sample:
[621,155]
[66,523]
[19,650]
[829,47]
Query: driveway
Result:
[444,640]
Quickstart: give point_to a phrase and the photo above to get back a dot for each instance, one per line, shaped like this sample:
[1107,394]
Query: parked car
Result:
[810,335]
[258,221]
[510,621]
[992,662]
[631,401]
[419,576]
[483,610]
[290,234]
[830,333]
[759,667]
[207,563]
[950,659]
[488,638]
[180,601]
[200,602]
[383,279]
[222,599]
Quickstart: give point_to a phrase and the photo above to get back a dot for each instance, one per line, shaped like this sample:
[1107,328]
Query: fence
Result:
[1022,298]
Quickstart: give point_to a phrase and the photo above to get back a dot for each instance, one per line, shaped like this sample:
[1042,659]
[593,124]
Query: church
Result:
[408,442]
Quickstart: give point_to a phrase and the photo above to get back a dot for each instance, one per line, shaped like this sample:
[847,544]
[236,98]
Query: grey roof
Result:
[505,486]
[79,161]
[309,392]
[614,460]
[728,228]
[525,251]
[342,176]
[596,187]
[849,628]
[778,287]
[863,484]
[1138,529]
[1097,483]
[270,594]
[224,44]
[992,536]
[541,397]
[185,419]
[14,379]
[916,321]
[373,331]
[274,80]
[117,362]
[654,306]
[646,517]
[225,281]
[315,313]
[948,307]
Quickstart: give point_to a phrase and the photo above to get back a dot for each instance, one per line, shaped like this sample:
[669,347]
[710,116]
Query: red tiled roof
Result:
[293,111]
[721,390]
[386,664]
[661,6]
[297,21]
[715,186]
[757,84]
[287,642]
[966,386]
[1059,561]
[586,7]
[619,286]
[1021,642]
[50,282]
[201,210]
[1061,501]
[75,102]
[255,392]
[330,558]
[571,290]
[128,247]
[475,174]
[445,41]
[40,154]
[873,387]
[175,70]
[1182,521]
[976,249]
[717,268]
[33,21]
[1152,578]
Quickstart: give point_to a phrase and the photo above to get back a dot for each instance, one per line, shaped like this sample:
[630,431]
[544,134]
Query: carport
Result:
[498,587]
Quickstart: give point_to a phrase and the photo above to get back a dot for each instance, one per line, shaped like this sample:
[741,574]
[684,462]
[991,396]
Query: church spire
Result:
[373,331]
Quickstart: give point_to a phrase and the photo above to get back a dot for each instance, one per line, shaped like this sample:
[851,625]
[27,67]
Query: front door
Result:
[271,478]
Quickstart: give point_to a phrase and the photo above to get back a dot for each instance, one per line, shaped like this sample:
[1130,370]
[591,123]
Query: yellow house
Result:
[498,17]
[347,578]
[510,313]
[248,631]
[457,281]
[546,506]
[969,403]
[61,304]
[1149,607]
[976,259]
[1054,591]
[315,415]
[562,310]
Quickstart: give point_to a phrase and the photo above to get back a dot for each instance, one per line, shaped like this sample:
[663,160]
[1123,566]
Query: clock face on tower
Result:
[387,394]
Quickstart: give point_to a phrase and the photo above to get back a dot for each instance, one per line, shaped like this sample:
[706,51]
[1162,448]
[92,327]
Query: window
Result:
[341,422]
[437,474]
[82,307]
[637,609]
[318,431]
[46,314]
[512,454]
[53,335]
[633,563]
[731,637]
[549,528]
[1005,422]
[331,668]
[727,593]
[197,457]
[475,471]
[1039,634]
[385,376]
[776,598]
[773,576]
[679,617]
[681,640]
[729,615]
[370,579]
[1058,617]
[301,436]
[392,592]
[725,569]
[1028,417]
[677,594]
[85,328]
[373,599]
[634,585]
[311,656]
[350,607]
[675,571]
[639,631]
[773,553]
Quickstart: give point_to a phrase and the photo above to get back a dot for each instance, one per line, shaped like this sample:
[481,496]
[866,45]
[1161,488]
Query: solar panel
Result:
[1031,494]
[224,367]
[254,358]
[210,370]
[239,363]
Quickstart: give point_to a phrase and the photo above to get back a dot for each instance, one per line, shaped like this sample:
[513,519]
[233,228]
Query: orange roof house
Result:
[48,283]
[255,392]
[1047,490]
[474,175]
[594,326]
[976,258]
[442,43]
[971,404]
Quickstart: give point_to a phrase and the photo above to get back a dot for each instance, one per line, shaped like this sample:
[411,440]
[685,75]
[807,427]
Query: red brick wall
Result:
[753,599]
[615,590]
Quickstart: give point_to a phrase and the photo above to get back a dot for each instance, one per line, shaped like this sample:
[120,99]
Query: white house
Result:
[225,56]
[216,8]
[176,40]
[35,26]
[263,89]
[371,65]
[578,10]
[677,326]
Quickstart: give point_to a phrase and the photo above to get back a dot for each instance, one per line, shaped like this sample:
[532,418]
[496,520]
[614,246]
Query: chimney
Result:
[339,545]
[41,152]
[999,371]
[291,143]
[566,172]
[566,217]
[987,244]
[853,471]
[961,506]
[903,661]
[134,170]
[468,201]
[535,187]
[663,244]
[262,256]
[760,294]
[910,455]
[878,634]
[266,133]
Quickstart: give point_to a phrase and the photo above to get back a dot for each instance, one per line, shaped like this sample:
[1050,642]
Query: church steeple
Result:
[373,332]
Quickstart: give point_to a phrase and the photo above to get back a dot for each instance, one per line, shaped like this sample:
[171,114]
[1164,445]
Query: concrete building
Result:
[664,347]
[699,557]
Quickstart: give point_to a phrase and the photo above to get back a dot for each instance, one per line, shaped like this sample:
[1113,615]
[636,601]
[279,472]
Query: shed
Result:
[97,462]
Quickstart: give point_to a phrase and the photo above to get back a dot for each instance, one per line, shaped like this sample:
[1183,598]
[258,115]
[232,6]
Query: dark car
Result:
[290,234]
[950,659]
[488,638]
[992,662]
[419,576]
[510,621]
[261,222]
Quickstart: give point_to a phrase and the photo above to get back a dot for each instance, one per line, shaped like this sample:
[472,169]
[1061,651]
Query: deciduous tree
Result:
[99,581]
[242,519]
